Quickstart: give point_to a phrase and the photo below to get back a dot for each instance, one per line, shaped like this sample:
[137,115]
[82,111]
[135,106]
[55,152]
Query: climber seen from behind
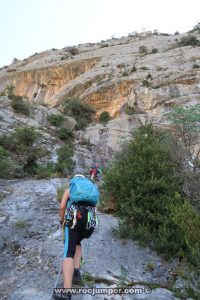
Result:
[78,218]
[95,172]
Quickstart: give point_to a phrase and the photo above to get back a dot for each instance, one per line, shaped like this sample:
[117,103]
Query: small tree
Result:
[186,150]
[10,90]
[196,28]
[187,129]
[65,163]
[143,49]
[65,134]
[189,40]
[6,164]
[148,197]
[81,112]
[55,120]
[104,117]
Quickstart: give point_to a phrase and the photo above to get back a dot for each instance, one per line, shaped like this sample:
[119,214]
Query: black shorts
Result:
[73,237]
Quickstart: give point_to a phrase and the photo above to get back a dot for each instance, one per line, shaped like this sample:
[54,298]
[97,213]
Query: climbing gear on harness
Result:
[71,216]
[74,213]
[92,218]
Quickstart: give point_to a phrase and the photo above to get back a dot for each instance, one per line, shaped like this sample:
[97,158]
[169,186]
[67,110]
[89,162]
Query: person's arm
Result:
[63,205]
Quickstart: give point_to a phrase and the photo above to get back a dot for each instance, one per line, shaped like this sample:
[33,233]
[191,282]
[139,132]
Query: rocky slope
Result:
[31,250]
[112,76]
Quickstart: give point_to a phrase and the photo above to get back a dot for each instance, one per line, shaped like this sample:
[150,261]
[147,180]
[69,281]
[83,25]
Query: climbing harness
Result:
[73,213]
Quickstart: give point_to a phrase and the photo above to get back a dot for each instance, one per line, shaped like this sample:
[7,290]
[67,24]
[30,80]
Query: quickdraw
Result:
[92,220]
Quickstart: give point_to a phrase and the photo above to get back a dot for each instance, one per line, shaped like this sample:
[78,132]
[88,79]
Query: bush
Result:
[25,136]
[65,134]
[72,50]
[154,50]
[129,110]
[80,111]
[81,124]
[104,117]
[44,172]
[143,49]
[55,120]
[134,69]
[195,66]
[125,73]
[65,164]
[22,146]
[196,28]
[10,90]
[15,97]
[19,105]
[6,164]
[148,197]
[146,83]
[189,40]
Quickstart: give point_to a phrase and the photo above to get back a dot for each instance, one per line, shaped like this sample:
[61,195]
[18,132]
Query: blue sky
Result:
[29,26]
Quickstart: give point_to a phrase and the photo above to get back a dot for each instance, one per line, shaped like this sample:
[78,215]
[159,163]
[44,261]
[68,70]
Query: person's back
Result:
[95,171]
[79,223]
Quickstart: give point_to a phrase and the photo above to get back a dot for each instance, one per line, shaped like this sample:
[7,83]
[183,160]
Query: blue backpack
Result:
[83,190]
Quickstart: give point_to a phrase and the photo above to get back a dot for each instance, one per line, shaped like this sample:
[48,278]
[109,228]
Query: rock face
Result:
[110,74]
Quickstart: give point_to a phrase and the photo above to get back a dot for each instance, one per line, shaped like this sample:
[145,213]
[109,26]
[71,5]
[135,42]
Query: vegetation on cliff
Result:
[149,199]
[81,112]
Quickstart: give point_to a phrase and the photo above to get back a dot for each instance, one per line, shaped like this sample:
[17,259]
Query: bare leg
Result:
[77,257]
[68,270]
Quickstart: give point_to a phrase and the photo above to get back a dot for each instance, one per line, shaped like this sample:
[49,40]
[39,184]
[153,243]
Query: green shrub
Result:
[125,73]
[46,171]
[154,50]
[55,120]
[19,105]
[65,134]
[144,68]
[15,97]
[189,40]
[143,49]
[6,164]
[81,123]
[80,111]
[65,164]
[2,93]
[196,66]
[129,110]
[10,90]
[196,29]
[146,83]
[104,117]
[25,136]
[72,50]
[134,69]
[22,145]
[149,199]
[21,224]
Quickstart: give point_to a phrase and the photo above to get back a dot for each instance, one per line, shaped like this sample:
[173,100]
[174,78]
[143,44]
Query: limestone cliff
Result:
[110,74]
